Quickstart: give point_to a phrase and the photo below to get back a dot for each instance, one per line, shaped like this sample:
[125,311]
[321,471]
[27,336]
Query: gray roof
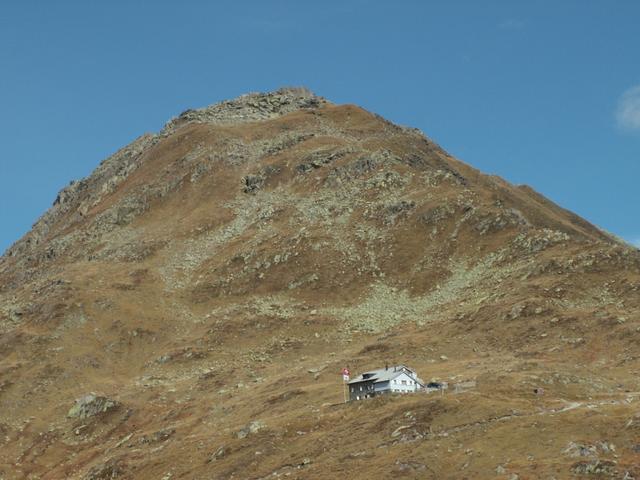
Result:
[386,374]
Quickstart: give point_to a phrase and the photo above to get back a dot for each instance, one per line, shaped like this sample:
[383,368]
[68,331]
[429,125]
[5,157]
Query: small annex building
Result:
[396,379]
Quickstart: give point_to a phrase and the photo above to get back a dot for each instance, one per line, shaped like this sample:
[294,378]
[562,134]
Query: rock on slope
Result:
[212,279]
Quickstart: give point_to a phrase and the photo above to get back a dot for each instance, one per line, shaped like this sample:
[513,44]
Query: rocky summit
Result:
[186,310]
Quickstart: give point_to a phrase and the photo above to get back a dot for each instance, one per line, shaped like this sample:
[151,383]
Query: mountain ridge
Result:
[249,107]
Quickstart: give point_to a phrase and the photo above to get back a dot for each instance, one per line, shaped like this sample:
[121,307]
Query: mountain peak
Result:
[249,107]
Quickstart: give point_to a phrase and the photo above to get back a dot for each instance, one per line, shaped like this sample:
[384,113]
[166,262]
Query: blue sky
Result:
[545,93]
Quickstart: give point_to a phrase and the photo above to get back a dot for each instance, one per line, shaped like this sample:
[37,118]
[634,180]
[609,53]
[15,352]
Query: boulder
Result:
[252,183]
[253,427]
[218,454]
[91,405]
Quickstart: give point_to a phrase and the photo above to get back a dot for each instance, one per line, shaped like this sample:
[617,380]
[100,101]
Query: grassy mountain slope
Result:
[212,279]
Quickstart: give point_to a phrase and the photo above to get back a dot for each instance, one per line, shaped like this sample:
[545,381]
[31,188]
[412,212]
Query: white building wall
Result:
[403,383]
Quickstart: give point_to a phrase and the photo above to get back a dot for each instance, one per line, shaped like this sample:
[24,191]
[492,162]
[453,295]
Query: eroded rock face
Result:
[91,405]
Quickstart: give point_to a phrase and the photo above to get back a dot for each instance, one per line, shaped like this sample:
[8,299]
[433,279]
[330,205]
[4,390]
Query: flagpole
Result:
[345,379]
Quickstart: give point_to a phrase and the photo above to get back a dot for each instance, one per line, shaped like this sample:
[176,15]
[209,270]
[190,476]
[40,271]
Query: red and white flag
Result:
[346,374]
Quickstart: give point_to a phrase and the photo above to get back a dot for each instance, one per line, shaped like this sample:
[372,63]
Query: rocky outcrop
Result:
[74,201]
[249,108]
[108,470]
